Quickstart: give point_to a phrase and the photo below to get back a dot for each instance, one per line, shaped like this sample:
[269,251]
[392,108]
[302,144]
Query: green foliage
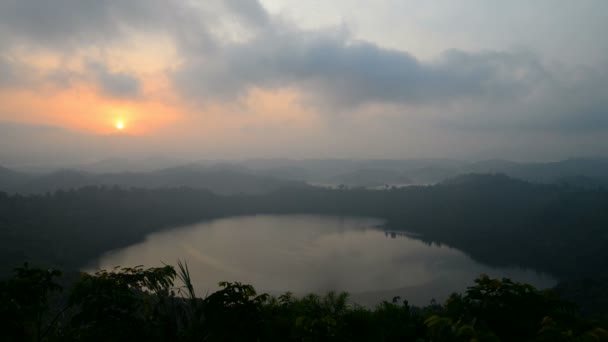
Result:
[119,305]
[503,310]
[234,313]
[24,304]
[310,318]
[137,304]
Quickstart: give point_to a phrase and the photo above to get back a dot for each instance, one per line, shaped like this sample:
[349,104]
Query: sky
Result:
[194,79]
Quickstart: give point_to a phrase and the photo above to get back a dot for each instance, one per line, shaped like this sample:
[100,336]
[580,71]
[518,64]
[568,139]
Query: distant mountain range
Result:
[10,178]
[578,172]
[263,175]
[219,180]
[373,178]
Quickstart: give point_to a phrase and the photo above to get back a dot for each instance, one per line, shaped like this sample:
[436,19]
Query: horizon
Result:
[47,147]
[269,79]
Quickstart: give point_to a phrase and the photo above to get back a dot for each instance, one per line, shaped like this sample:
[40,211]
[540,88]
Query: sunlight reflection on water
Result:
[313,253]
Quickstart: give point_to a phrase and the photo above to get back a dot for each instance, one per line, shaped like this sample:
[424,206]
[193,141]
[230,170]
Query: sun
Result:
[120,125]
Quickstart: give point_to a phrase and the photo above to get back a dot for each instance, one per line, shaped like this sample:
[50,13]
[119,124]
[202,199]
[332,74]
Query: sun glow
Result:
[120,125]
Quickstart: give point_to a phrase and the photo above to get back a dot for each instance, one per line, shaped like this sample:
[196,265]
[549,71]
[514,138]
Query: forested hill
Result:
[495,219]
[263,175]
[221,180]
[8,178]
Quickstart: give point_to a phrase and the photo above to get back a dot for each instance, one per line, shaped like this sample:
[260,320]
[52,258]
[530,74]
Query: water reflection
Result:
[312,253]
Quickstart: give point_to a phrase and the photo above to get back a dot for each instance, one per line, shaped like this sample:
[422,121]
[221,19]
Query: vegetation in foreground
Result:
[160,304]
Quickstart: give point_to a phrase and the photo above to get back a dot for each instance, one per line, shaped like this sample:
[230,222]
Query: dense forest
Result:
[497,220]
[160,304]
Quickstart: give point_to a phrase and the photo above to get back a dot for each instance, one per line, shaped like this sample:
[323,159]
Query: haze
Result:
[315,79]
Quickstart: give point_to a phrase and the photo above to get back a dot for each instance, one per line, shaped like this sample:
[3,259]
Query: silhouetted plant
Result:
[24,304]
[133,304]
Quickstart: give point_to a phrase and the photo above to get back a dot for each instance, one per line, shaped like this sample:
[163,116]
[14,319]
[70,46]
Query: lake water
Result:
[312,253]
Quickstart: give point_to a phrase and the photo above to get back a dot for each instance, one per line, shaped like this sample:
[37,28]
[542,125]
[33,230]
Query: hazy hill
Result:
[220,180]
[62,179]
[483,180]
[116,165]
[372,178]
[216,179]
[428,171]
[594,170]
[582,182]
[370,172]
[10,178]
[261,175]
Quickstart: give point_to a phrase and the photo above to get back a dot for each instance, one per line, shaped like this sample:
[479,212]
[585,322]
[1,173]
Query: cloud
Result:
[335,73]
[345,73]
[15,74]
[250,11]
[115,84]
[329,66]
[7,73]
[73,23]
[228,52]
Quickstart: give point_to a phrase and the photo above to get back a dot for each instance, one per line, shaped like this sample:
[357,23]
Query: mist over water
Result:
[313,253]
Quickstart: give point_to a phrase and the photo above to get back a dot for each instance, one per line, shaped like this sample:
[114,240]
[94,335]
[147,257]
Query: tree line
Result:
[496,220]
